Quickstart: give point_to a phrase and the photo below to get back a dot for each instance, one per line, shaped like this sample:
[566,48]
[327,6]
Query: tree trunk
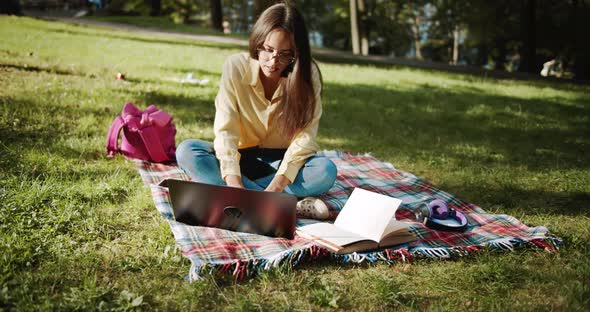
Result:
[501,48]
[455,45]
[528,52]
[499,38]
[581,65]
[216,15]
[354,28]
[156,8]
[483,54]
[363,31]
[417,39]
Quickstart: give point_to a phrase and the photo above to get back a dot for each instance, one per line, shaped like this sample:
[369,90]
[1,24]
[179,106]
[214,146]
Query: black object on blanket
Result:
[236,209]
[254,161]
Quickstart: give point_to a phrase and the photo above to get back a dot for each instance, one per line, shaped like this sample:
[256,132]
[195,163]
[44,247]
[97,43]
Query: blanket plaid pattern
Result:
[212,250]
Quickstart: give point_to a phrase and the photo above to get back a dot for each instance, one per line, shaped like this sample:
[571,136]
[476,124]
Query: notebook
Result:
[235,209]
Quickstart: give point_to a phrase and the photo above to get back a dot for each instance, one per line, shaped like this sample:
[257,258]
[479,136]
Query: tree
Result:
[216,15]
[238,14]
[491,27]
[260,6]
[580,19]
[354,28]
[449,25]
[12,7]
[413,14]
[502,34]
[358,31]
[388,34]
[156,8]
[183,10]
[528,51]
[415,28]
[363,29]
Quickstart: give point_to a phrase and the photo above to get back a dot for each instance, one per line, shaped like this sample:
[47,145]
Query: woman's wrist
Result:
[234,181]
[278,183]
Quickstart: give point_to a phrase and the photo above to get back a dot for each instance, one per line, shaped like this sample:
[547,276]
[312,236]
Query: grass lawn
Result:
[80,232]
[159,23]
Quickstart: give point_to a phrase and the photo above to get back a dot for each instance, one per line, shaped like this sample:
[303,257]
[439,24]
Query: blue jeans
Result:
[197,159]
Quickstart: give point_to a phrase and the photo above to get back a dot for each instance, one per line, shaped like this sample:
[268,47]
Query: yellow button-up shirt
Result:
[242,119]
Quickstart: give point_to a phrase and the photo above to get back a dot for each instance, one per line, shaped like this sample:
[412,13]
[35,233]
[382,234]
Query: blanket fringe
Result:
[242,269]
[502,244]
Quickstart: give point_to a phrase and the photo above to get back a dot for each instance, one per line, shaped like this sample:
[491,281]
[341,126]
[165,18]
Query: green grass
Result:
[80,232]
[159,23]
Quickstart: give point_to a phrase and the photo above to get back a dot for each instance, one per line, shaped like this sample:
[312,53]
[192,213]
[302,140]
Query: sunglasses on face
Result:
[284,57]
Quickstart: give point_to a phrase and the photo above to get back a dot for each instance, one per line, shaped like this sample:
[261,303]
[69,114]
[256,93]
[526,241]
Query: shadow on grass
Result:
[37,69]
[467,126]
[517,201]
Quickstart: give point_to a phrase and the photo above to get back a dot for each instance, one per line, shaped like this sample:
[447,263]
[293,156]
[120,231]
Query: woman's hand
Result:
[234,181]
[278,184]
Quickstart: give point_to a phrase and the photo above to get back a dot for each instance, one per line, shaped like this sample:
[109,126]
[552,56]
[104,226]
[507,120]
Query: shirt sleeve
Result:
[303,145]
[226,126]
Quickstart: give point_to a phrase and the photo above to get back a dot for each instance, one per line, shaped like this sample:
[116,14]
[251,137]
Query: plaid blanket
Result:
[212,250]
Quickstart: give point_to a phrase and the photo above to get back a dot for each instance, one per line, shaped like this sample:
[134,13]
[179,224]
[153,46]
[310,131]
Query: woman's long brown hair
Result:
[298,104]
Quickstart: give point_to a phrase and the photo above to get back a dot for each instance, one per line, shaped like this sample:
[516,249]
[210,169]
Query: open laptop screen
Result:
[241,210]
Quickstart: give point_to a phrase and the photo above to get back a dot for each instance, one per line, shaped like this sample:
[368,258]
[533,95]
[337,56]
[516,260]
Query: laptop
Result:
[235,209]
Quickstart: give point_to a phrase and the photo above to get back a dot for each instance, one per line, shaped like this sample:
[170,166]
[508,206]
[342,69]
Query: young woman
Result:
[267,114]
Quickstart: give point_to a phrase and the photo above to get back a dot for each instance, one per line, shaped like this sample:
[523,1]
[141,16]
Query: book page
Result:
[367,213]
[329,232]
[396,227]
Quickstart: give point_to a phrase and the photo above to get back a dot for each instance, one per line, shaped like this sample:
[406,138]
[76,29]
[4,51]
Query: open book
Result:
[365,222]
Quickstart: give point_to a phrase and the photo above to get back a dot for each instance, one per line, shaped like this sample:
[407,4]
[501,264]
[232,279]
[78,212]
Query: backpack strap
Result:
[152,144]
[113,136]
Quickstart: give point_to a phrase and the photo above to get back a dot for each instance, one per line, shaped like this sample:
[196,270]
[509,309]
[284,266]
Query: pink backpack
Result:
[147,135]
